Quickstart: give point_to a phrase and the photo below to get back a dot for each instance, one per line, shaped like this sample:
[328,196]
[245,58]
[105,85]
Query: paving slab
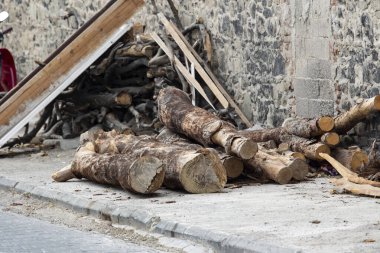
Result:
[303,217]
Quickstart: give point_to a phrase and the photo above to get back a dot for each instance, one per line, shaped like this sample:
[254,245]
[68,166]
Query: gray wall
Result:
[277,58]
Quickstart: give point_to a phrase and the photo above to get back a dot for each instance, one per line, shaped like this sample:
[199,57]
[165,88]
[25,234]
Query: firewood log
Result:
[331,139]
[234,166]
[299,167]
[119,98]
[353,158]
[272,167]
[140,174]
[308,128]
[347,120]
[178,114]
[194,170]
[310,148]
[136,51]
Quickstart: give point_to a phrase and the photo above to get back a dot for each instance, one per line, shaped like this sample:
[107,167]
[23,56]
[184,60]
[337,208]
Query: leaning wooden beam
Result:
[47,83]
[178,114]
[308,128]
[347,120]
[348,174]
[205,73]
[194,170]
[140,174]
[182,68]
[357,189]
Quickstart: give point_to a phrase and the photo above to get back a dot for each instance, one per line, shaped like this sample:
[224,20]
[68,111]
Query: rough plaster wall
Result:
[356,36]
[252,42]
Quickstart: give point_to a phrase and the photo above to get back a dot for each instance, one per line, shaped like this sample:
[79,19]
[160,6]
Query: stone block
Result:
[313,68]
[320,107]
[317,47]
[311,108]
[306,88]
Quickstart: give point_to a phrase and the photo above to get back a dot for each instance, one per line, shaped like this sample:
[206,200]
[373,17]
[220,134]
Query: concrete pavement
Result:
[302,217]
[28,235]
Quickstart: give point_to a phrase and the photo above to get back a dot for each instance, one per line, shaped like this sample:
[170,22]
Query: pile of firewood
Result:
[153,121]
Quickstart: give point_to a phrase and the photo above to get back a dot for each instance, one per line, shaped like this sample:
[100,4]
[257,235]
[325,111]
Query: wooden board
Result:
[203,70]
[65,67]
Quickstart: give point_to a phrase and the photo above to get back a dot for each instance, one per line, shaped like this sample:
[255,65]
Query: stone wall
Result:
[355,27]
[321,55]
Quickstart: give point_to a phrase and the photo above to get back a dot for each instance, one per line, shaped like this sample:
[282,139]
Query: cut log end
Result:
[284,175]
[234,166]
[322,148]
[202,173]
[147,175]
[244,148]
[123,98]
[63,175]
[376,103]
[300,169]
[359,159]
[331,139]
[326,123]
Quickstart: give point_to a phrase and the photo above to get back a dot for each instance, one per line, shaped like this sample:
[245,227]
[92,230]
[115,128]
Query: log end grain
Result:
[326,123]
[146,175]
[321,148]
[359,160]
[202,173]
[331,139]
[234,166]
[284,175]
[244,148]
[376,102]
[300,169]
[123,98]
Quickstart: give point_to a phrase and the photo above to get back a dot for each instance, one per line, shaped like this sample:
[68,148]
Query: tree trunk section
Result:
[353,158]
[308,128]
[140,174]
[272,167]
[234,166]
[345,121]
[194,170]
[331,139]
[178,114]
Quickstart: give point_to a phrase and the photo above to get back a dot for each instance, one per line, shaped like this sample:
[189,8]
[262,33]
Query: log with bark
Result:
[272,167]
[331,139]
[310,148]
[347,120]
[308,128]
[352,158]
[194,170]
[140,174]
[178,114]
[234,166]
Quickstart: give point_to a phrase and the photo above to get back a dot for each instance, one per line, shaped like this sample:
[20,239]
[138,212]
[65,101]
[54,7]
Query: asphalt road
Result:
[23,234]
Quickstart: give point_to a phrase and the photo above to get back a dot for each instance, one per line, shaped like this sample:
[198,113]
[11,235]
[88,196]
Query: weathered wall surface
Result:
[252,41]
[355,29]
[270,54]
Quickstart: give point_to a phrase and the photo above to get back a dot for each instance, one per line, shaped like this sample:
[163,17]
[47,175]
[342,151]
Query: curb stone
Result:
[219,241]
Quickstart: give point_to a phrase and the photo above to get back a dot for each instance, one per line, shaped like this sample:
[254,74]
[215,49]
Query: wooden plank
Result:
[206,71]
[169,26]
[45,85]
[181,68]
